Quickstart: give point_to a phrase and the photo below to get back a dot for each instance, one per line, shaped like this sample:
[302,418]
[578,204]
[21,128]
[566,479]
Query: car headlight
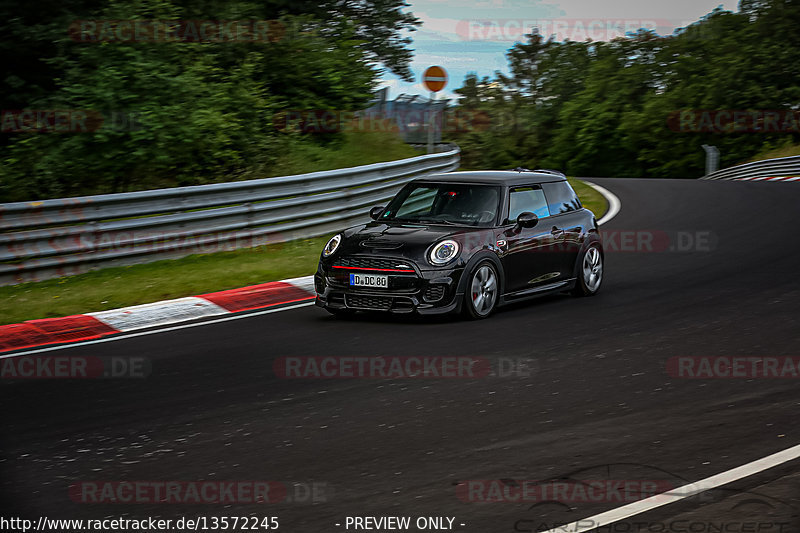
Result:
[444,252]
[332,245]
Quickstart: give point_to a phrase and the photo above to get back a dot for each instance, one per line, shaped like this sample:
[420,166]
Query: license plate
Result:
[369,280]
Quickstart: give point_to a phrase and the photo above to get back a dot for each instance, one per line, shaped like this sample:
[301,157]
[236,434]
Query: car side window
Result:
[530,199]
[560,197]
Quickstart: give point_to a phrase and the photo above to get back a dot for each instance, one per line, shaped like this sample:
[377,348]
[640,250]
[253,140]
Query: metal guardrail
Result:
[53,238]
[782,166]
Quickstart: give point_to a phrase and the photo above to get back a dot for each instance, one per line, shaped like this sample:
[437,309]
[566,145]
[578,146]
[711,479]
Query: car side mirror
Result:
[527,220]
[375,212]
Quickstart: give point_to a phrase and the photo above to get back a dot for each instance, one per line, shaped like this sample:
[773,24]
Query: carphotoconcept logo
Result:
[637,525]
[621,483]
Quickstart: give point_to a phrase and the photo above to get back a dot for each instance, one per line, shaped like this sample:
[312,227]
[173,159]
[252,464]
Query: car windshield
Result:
[445,203]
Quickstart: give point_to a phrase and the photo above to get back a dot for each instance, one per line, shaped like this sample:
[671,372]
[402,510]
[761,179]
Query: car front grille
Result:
[381,303]
[374,263]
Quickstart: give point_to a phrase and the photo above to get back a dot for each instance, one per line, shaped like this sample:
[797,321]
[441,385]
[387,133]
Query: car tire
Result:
[482,291]
[590,272]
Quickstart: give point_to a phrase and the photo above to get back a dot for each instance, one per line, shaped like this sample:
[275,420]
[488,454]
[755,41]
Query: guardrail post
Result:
[712,158]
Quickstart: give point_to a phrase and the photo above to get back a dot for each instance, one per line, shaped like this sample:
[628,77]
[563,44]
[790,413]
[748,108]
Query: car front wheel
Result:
[590,272]
[482,291]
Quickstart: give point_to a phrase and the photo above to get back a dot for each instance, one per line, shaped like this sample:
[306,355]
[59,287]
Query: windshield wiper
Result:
[403,220]
[420,221]
[434,221]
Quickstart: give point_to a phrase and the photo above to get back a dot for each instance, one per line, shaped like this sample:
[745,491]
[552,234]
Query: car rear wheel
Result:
[482,291]
[590,272]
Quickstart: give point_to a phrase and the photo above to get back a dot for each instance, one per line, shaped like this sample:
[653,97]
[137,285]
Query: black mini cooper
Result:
[464,242]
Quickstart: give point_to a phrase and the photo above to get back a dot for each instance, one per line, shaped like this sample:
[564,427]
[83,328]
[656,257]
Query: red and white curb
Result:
[772,178]
[32,333]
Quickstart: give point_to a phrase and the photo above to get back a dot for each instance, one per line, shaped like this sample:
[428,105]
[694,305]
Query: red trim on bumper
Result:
[375,269]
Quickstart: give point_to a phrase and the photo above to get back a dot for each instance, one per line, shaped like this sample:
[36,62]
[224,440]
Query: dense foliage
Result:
[615,108]
[181,113]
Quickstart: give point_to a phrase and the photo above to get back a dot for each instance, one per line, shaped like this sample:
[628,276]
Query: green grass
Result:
[590,198]
[123,286]
[782,151]
[111,288]
[353,149]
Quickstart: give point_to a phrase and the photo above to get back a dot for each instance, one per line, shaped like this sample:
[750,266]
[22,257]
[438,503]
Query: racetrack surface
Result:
[599,401]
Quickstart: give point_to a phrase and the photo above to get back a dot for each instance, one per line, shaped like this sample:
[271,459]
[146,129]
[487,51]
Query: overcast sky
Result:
[466,36]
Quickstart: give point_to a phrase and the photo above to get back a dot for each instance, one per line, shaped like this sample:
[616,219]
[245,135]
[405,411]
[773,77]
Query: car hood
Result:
[402,232]
[406,240]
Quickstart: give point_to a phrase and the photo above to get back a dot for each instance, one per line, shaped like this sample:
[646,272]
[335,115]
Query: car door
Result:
[566,226]
[527,259]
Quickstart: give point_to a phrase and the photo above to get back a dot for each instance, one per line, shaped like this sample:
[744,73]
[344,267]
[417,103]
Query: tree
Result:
[610,108]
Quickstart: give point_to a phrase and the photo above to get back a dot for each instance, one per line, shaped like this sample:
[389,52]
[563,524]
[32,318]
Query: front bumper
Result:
[421,291]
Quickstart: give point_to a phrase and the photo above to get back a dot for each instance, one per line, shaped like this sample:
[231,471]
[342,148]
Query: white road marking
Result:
[614,205]
[692,489]
[233,316]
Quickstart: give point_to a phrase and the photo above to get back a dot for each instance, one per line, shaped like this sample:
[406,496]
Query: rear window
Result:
[560,197]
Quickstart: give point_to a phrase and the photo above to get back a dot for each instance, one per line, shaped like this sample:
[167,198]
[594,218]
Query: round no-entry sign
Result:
[434,78]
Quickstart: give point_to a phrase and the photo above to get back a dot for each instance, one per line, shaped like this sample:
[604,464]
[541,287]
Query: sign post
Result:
[434,79]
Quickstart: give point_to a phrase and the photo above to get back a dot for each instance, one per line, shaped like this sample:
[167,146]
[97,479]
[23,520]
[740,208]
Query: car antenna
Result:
[550,171]
[542,170]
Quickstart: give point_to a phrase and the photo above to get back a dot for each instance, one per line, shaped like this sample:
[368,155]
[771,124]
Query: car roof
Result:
[497,177]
